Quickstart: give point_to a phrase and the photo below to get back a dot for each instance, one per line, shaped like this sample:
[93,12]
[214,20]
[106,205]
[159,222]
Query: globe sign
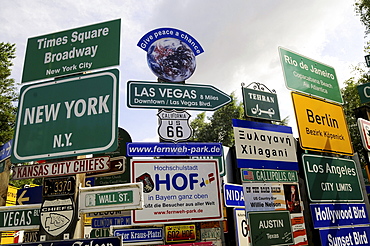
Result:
[171,59]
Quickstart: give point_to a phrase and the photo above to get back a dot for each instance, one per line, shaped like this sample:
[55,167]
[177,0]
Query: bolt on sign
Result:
[309,76]
[72,51]
[261,104]
[261,145]
[67,117]
[270,228]
[20,217]
[322,125]
[331,179]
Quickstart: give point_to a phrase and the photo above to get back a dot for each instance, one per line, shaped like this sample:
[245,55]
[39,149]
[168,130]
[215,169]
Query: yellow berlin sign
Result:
[322,125]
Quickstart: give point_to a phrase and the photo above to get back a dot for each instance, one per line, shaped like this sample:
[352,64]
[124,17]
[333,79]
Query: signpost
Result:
[174,96]
[261,104]
[322,125]
[72,51]
[309,76]
[261,145]
[331,179]
[67,117]
[111,197]
[20,217]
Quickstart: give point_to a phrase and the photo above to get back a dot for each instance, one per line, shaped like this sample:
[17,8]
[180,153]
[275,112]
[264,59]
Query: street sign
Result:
[233,195]
[72,51]
[67,117]
[261,104]
[241,227]
[57,215]
[5,150]
[117,166]
[339,214]
[139,235]
[331,179]
[364,127]
[31,195]
[345,236]
[174,96]
[59,186]
[266,175]
[174,125]
[309,76]
[109,221]
[322,125]
[180,233]
[111,197]
[97,164]
[364,92]
[266,146]
[107,241]
[20,217]
[270,228]
[174,149]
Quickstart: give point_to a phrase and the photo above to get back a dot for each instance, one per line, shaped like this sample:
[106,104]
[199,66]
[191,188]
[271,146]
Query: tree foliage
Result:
[362,8]
[8,95]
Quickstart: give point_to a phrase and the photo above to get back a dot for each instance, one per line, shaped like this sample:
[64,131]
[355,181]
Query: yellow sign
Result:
[180,233]
[322,125]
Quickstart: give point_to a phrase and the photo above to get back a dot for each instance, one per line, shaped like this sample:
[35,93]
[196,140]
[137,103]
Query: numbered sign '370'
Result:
[174,125]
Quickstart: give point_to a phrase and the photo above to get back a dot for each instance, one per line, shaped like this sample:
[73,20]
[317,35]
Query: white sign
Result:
[178,191]
[364,127]
[61,168]
[111,198]
[174,125]
[241,226]
[56,215]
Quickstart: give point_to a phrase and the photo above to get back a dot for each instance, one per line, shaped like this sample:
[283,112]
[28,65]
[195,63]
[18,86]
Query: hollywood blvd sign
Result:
[72,51]
[67,117]
[174,96]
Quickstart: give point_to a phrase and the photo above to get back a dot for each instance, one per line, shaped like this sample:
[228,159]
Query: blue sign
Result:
[111,241]
[174,149]
[5,150]
[339,214]
[31,195]
[108,221]
[140,235]
[233,195]
[345,236]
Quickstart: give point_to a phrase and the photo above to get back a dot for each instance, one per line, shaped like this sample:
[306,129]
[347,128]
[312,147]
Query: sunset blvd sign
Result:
[331,179]
[174,96]
[309,76]
[61,168]
[72,51]
[67,117]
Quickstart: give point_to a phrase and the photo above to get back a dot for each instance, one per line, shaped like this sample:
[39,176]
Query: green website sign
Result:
[270,228]
[261,104]
[309,76]
[72,51]
[67,117]
[332,179]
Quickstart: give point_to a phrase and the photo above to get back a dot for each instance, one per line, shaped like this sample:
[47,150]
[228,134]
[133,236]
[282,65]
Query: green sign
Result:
[261,104]
[266,175]
[309,76]
[174,96]
[109,198]
[364,92]
[72,51]
[67,117]
[331,179]
[21,217]
[99,232]
[270,228]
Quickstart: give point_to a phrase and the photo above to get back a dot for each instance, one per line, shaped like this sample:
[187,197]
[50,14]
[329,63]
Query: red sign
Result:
[97,164]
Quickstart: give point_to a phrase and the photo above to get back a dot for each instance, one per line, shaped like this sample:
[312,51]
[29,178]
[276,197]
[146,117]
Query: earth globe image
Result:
[171,60]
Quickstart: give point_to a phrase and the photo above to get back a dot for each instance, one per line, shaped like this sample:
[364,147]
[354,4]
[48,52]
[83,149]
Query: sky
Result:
[240,39]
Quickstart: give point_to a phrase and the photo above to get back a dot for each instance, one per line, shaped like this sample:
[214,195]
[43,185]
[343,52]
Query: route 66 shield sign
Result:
[174,125]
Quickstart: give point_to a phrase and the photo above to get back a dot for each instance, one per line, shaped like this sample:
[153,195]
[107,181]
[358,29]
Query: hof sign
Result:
[174,125]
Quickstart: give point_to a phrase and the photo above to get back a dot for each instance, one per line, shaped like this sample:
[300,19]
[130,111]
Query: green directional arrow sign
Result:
[175,96]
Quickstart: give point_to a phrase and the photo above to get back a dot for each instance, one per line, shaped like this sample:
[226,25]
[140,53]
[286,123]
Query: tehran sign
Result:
[67,117]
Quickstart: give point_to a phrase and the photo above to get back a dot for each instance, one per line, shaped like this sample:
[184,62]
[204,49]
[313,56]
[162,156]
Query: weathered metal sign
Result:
[97,164]
[331,179]
[267,146]
[20,217]
[180,233]
[59,186]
